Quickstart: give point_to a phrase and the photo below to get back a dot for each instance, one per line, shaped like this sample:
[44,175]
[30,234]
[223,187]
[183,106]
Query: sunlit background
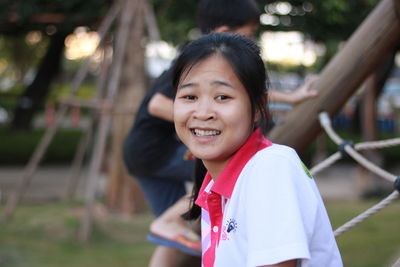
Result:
[288,48]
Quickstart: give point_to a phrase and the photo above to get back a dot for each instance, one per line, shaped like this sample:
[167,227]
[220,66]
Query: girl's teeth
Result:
[206,132]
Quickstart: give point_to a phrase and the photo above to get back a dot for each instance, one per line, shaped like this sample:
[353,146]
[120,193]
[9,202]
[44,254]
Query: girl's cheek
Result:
[179,112]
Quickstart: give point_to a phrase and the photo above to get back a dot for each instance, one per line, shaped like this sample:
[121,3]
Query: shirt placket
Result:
[215,211]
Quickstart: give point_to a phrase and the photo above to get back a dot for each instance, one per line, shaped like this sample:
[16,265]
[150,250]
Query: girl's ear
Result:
[257,116]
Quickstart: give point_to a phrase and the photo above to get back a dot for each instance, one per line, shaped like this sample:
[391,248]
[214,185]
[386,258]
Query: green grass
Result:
[45,236]
[374,242]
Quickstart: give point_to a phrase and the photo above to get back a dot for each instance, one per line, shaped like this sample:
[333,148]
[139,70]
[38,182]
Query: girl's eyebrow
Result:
[213,83]
[223,83]
[186,85]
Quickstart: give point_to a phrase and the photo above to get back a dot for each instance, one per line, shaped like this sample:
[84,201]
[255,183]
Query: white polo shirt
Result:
[264,208]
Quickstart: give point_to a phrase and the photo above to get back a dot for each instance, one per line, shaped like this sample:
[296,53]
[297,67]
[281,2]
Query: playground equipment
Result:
[346,148]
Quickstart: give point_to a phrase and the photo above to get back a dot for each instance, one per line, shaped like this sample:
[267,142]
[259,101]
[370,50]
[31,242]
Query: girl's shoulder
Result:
[281,157]
[279,152]
[278,166]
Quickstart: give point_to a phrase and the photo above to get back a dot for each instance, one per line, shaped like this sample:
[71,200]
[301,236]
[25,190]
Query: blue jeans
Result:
[167,185]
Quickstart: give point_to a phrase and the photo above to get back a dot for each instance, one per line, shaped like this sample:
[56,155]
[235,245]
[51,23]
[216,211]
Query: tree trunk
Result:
[368,183]
[35,94]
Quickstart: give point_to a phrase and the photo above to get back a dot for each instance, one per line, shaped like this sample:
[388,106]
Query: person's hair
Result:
[244,57]
[212,14]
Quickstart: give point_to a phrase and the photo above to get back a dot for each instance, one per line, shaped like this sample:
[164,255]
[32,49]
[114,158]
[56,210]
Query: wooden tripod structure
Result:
[115,85]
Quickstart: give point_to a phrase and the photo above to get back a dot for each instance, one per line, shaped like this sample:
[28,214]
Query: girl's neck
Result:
[214,168]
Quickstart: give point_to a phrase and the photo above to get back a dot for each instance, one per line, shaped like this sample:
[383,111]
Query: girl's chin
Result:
[206,157]
[202,156]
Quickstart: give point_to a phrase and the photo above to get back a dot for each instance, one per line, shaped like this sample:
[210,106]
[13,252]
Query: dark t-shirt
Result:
[152,140]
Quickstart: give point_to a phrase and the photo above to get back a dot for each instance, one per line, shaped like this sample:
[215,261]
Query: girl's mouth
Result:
[205,133]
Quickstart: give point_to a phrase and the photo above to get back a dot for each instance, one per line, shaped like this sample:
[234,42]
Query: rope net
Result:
[346,148]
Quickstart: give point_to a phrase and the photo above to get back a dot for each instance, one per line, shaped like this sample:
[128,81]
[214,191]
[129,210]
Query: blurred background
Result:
[72,74]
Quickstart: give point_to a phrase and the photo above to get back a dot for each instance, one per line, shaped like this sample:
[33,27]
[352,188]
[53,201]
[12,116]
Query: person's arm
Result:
[291,263]
[161,107]
[304,92]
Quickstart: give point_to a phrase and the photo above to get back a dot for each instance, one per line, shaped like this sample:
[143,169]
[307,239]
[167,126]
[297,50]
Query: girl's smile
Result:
[212,112]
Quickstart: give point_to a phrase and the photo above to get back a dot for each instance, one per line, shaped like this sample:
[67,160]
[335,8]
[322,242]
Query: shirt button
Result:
[215,229]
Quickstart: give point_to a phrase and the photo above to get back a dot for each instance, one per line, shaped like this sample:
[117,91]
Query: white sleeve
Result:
[280,209]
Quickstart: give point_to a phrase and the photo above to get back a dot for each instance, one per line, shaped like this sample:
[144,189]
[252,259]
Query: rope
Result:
[397,263]
[326,163]
[360,146]
[369,165]
[371,211]
[347,149]
[326,124]
[377,144]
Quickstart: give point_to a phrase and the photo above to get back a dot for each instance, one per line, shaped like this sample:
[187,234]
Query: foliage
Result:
[321,21]
[325,20]
[85,91]
[27,15]
[19,56]
[329,22]
[20,146]
[175,19]
[9,98]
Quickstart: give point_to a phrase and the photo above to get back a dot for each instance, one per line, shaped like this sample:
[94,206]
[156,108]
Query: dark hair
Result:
[232,13]
[244,57]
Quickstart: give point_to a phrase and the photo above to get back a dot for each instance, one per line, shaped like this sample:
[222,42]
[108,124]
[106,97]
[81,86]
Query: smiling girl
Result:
[259,205]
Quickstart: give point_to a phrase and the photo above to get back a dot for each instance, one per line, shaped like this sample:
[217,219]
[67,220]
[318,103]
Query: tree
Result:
[175,19]
[33,96]
[55,19]
[329,22]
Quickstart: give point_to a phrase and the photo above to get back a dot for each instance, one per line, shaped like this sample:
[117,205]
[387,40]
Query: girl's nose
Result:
[204,110]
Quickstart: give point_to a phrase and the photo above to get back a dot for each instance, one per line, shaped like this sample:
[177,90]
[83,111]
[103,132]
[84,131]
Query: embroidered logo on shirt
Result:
[229,227]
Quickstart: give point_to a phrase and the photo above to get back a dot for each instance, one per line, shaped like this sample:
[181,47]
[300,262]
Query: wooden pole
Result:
[151,22]
[122,37]
[378,34]
[369,132]
[75,170]
[123,193]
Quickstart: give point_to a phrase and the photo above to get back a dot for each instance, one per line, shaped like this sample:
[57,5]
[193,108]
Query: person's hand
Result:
[305,91]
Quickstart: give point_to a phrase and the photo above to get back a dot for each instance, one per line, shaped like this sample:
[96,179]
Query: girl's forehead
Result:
[215,60]
[214,65]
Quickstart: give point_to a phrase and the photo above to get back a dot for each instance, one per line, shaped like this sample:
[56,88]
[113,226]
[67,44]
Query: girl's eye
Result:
[189,97]
[222,97]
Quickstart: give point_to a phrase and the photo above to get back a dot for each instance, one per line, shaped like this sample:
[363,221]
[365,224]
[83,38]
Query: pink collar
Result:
[227,179]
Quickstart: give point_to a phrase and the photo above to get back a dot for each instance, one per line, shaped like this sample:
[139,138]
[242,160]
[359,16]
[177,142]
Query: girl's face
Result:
[212,112]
